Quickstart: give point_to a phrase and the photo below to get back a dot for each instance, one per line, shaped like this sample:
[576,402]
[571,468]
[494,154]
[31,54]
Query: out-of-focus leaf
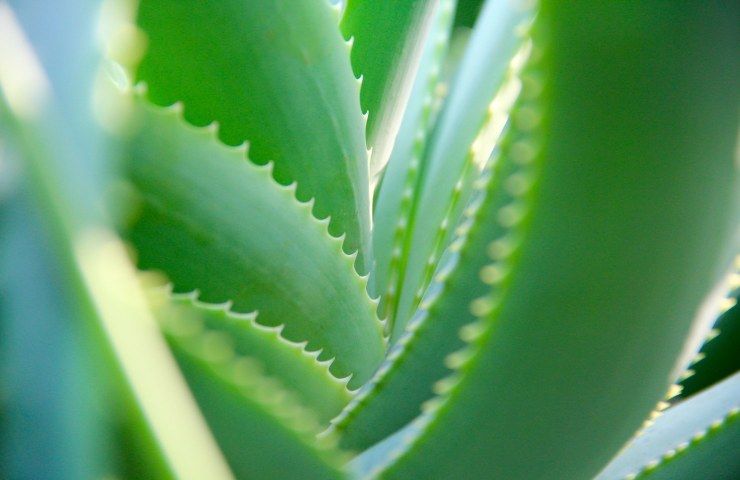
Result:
[697,438]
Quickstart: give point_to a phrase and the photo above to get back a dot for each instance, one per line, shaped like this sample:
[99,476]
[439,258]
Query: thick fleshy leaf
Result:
[46,101]
[697,438]
[469,124]
[388,39]
[393,397]
[718,357]
[263,432]
[297,370]
[607,254]
[49,427]
[214,222]
[395,193]
[467,13]
[277,74]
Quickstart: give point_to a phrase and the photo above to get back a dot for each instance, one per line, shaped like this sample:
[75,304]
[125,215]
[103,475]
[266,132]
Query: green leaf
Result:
[274,73]
[50,426]
[296,369]
[215,222]
[609,252]
[263,432]
[468,126]
[395,193]
[467,13]
[386,51]
[405,380]
[718,356]
[47,107]
[697,438]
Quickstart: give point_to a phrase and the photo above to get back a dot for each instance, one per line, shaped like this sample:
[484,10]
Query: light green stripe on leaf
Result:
[216,223]
[276,74]
[398,186]
[47,108]
[463,138]
[388,38]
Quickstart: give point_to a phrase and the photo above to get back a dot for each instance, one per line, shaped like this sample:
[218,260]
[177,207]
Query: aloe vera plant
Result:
[369,239]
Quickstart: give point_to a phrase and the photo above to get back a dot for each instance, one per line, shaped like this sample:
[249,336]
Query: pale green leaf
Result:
[263,432]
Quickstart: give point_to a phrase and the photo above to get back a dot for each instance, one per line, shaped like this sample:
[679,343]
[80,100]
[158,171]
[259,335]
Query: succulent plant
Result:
[409,239]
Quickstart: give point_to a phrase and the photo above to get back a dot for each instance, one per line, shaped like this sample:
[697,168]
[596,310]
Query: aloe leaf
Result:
[47,104]
[718,356]
[387,42]
[711,455]
[405,380]
[48,427]
[215,222]
[262,431]
[277,75]
[467,13]
[394,197]
[296,369]
[697,438]
[463,138]
[609,253]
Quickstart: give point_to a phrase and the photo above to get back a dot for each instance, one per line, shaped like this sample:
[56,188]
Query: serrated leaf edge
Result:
[191,299]
[176,111]
[423,130]
[518,184]
[242,373]
[479,152]
[684,447]
[503,252]
[731,284]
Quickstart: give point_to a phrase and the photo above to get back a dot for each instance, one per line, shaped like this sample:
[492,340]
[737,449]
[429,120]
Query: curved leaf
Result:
[718,356]
[468,126]
[388,39]
[215,222]
[262,431]
[677,445]
[275,73]
[297,370]
[395,193]
[395,394]
[47,101]
[609,253]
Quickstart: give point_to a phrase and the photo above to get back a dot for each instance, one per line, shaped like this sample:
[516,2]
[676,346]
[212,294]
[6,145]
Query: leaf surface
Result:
[697,438]
[606,257]
[464,135]
[395,193]
[388,39]
[214,222]
[297,370]
[263,432]
[277,74]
